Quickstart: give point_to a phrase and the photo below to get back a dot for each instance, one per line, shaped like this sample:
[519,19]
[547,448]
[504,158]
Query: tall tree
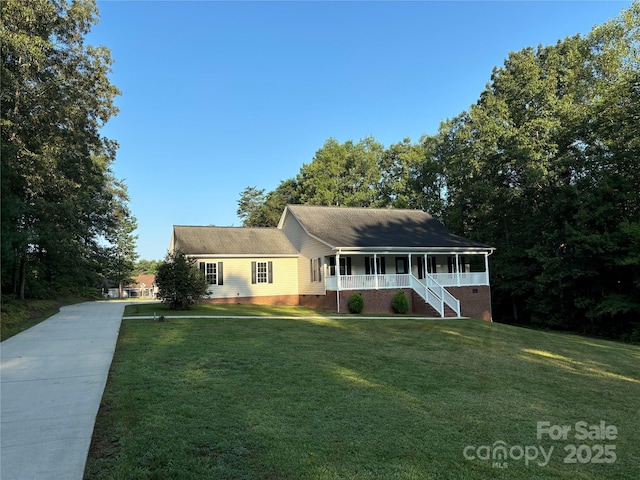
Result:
[251,201]
[344,174]
[56,179]
[543,167]
[411,176]
[121,253]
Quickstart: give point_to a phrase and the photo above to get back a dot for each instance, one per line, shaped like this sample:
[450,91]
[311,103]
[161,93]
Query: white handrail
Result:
[429,288]
[440,293]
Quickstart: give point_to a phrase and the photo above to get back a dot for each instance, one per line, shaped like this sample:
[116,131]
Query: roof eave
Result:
[468,249]
[242,255]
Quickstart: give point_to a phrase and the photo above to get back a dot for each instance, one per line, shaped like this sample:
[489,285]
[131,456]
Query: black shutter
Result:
[420,267]
[450,264]
[270,272]
[367,265]
[463,267]
[383,270]
[348,265]
[311,269]
[220,274]
[253,272]
[332,266]
[202,268]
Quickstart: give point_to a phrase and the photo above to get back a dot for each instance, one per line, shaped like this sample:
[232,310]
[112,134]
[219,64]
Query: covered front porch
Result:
[427,273]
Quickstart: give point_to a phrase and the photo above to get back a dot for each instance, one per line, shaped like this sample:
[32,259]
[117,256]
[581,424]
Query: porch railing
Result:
[428,288]
[461,279]
[369,282]
[435,294]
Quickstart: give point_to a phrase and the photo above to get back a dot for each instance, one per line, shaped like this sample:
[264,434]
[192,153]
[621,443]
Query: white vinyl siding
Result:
[238,277]
[309,249]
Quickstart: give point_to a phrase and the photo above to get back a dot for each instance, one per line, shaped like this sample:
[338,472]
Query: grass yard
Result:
[19,315]
[157,308]
[361,399]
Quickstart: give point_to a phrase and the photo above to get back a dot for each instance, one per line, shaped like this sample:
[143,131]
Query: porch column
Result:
[486,269]
[338,280]
[375,271]
[426,275]
[457,269]
[410,271]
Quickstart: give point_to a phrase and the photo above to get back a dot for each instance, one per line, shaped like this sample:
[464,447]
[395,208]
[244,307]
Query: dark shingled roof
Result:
[349,227]
[231,241]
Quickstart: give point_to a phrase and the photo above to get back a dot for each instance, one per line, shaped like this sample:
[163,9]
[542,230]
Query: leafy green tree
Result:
[411,176]
[144,267]
[249,205]
[55,165]
[344,174]
[180,283]
[543,167]
[121,253]
[257,209]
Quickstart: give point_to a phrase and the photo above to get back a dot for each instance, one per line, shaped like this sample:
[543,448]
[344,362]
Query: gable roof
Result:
[231,241]
[147,278]
[349,227]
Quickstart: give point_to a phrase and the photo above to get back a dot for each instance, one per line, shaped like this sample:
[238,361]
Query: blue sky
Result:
[218,96]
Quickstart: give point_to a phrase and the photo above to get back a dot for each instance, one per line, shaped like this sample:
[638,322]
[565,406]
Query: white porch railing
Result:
[430,289]
[436,295]
[461,279]
[368,282]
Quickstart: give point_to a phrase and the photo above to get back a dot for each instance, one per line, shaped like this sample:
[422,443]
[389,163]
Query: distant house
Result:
[318,256]
[144,286]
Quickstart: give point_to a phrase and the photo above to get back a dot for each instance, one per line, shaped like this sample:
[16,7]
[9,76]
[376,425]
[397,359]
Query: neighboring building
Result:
[318,256]
[144,286]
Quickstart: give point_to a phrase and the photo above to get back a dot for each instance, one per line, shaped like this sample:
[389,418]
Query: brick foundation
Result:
[266,300]
[475,302]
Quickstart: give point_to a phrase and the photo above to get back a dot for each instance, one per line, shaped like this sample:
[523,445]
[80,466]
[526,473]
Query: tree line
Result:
[545,167]
[66,224]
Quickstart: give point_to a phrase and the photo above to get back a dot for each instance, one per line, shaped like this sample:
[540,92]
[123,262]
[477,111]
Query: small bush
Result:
[400,303]
[356,303]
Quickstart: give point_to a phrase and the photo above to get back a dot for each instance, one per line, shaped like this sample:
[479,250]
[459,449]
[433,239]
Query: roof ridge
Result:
[226,226]
[344,207]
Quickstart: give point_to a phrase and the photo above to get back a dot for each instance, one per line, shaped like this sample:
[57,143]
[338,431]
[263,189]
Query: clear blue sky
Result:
[218,96]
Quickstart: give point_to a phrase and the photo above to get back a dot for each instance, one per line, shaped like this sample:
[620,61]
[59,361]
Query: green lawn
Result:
[18,315]
[149,309]
[359,399]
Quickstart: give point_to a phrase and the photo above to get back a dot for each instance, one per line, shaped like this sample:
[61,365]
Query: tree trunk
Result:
[23,275]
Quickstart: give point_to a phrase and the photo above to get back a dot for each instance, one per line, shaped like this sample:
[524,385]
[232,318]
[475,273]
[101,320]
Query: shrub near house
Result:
[179,281]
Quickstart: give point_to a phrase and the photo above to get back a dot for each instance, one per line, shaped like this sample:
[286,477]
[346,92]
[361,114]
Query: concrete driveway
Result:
[52,379]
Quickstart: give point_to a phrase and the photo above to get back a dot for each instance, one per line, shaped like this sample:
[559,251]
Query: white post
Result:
[486,269]
[426,276]
[458,269]
[338,280]
[375,270]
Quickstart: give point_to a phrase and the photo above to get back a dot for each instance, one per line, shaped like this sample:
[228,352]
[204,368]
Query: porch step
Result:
[448,312]
[430,311]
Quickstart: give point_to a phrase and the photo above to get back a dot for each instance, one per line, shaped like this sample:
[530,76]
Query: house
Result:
[318,256]
[144,286]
